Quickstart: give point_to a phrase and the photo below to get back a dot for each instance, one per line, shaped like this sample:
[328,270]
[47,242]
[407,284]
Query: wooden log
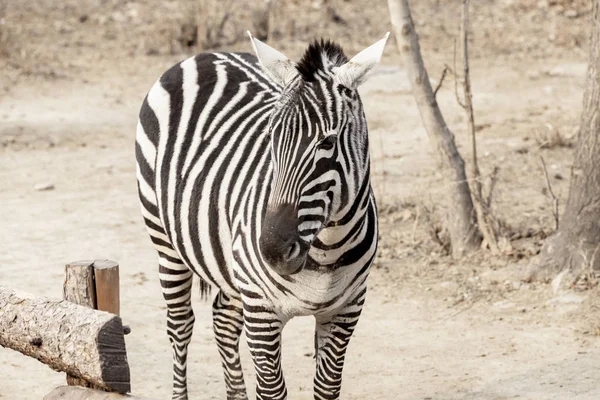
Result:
[106,278]
[78,393]
[79,285]
[94,284]
[79,288]
[85,343]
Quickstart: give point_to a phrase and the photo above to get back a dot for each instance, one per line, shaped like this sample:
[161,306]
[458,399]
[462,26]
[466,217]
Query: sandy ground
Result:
[413,341]
[433,328]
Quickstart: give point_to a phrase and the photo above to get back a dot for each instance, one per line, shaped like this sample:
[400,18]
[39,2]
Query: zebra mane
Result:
[321,55]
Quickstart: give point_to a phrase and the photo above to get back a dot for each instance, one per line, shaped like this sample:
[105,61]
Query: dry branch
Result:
[461,215]
[85,343]
[441,82]
[77,393]
[492,186]
[484,217]
[551,194]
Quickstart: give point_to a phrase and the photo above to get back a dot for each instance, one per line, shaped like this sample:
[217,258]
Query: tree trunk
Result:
[576,243]
[462,224]
[85,343]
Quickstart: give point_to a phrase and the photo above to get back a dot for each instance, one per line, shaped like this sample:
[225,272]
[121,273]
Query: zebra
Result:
[253,174]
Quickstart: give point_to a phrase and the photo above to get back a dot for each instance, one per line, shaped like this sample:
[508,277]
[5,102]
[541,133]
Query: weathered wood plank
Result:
[106,277]
[85,343]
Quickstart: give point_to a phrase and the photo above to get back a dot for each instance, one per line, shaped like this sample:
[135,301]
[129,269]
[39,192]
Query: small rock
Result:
[566,298]
[450,285]
[40,187]
[406,215]
[543,4]
[522,150]
[571,14]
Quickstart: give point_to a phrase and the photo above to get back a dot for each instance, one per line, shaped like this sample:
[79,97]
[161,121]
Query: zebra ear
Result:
[354,72]
[276,65]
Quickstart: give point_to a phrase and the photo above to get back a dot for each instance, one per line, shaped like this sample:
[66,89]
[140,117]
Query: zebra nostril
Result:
[293,251]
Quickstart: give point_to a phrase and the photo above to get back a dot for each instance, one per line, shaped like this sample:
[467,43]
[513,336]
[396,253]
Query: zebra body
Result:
[248,178]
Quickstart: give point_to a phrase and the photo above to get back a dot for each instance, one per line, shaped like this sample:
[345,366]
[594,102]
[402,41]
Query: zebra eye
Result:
[327,143]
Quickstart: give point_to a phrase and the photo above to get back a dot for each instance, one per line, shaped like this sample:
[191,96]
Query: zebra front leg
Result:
[332,339]
[176,284]
[263,334]
[228,321]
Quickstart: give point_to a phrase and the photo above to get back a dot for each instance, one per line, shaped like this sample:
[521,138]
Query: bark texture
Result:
[576,243]
[462,224]
[77,393]
[85,343]
[79,288]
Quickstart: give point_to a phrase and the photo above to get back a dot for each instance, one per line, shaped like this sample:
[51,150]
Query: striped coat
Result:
[253,173]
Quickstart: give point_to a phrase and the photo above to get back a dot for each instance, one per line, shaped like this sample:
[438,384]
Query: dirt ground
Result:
[73,74]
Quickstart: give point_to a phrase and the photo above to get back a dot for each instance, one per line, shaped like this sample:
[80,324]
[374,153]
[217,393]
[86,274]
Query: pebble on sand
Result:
[40,187]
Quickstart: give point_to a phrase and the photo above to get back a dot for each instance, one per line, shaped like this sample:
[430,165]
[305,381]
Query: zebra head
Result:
[319,146]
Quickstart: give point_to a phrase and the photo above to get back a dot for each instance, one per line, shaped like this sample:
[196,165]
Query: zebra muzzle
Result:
[280,244]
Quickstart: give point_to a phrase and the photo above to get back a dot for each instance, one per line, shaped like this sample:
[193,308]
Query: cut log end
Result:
[113,357]
[85,343]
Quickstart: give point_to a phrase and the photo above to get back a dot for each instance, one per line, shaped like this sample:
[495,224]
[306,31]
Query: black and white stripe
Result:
[254,175]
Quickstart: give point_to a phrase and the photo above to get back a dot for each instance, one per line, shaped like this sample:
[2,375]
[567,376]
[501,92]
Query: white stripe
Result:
[149,216]
[148,148]
[158,235]
[310,211]
[159,102]
[190,89]
[309,225]
[145,188]
[215,96]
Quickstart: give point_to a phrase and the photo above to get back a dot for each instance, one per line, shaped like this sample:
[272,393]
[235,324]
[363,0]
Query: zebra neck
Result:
[345,232]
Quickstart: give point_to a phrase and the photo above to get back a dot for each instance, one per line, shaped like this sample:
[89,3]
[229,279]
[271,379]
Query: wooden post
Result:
[106,276]
[79,289]
[93,284]
[79,283]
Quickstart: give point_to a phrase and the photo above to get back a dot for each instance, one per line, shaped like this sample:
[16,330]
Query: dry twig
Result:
[551,194]
[456,78]
[484,217]
[493,180]
[439,85]
[414,228]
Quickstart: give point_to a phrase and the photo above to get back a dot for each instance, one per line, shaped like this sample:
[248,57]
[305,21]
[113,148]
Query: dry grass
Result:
[549,137]
[4,34]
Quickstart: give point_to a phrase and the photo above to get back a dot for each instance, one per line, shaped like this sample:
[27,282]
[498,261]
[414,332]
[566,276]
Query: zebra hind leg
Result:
[176,284]
[228,322]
